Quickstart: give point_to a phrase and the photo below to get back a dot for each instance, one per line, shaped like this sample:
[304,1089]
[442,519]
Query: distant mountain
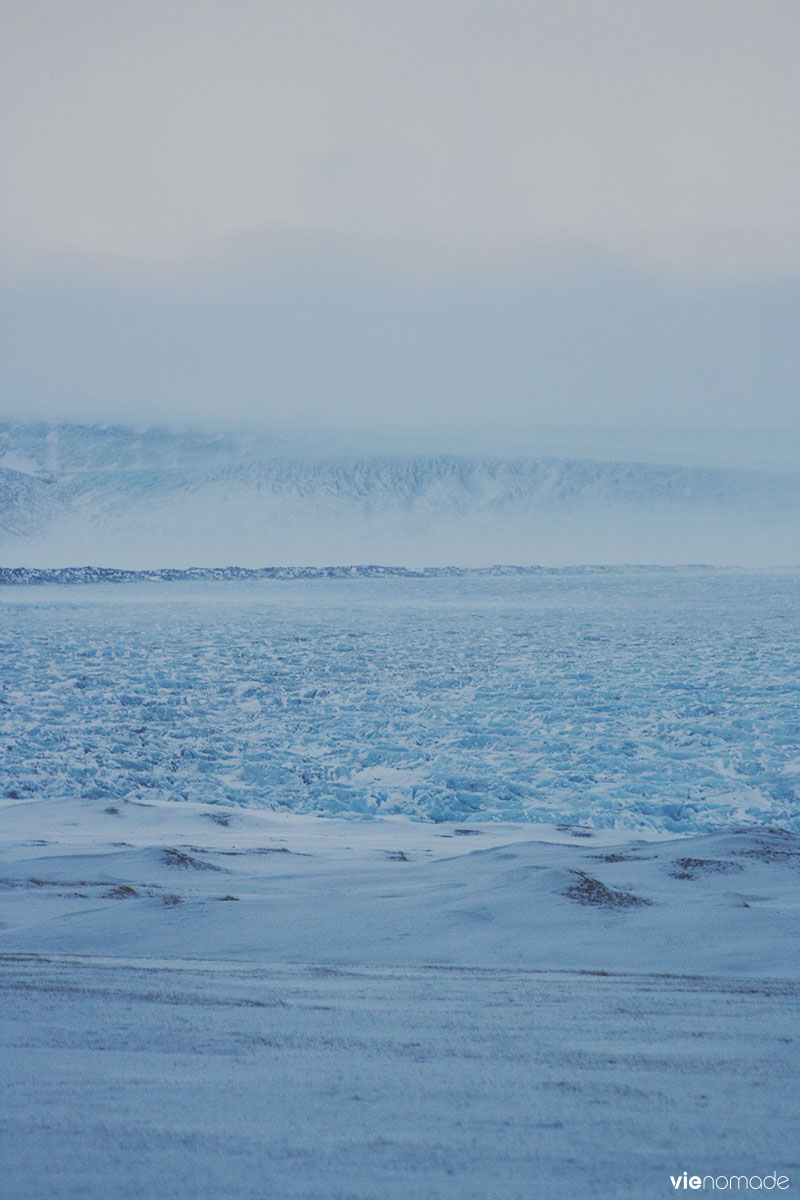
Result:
[120,497]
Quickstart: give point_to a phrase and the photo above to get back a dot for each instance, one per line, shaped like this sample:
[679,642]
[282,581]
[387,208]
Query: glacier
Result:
[641,699]
[121,498]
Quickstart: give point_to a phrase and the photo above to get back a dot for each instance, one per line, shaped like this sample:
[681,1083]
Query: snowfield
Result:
[192,1081]
[204,1002]
[373,888]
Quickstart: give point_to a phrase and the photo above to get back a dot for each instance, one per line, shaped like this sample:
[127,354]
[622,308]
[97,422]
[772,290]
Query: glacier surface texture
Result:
[654,700]
[117,497]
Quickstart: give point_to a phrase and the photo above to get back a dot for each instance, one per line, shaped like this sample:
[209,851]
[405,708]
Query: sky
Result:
[392,215]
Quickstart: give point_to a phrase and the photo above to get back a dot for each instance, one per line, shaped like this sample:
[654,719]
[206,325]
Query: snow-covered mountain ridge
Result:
[153,498]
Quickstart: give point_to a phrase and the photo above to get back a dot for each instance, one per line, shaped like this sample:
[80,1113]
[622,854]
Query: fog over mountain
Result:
[119,497]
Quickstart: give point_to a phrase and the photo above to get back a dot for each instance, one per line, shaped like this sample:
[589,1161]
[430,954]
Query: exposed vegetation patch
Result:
[591,891]
[176,858]
[690,868]
[223,819]
[614,857]
[778,845]
[123,892]
[260,850]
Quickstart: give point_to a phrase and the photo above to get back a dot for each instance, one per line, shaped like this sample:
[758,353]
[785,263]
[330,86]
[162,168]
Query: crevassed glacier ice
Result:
[664,700]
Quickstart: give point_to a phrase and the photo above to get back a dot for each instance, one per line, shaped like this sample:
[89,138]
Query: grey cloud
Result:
[662,132]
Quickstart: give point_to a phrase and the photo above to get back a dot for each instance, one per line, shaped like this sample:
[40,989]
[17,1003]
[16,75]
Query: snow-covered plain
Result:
[220,981]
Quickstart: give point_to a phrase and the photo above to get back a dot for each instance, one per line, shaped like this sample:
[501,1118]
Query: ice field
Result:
[635,699]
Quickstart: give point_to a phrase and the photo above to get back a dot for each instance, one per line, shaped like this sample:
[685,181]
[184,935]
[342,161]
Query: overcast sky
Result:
[392,212]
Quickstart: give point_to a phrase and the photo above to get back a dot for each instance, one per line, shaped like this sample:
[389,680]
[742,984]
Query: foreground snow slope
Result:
[204,1081]
[205,1002]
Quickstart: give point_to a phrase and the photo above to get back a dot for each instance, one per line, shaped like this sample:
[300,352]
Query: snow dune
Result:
[169,880]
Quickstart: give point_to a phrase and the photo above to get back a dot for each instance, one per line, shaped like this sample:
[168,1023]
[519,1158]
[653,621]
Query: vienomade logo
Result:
[733,1183]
